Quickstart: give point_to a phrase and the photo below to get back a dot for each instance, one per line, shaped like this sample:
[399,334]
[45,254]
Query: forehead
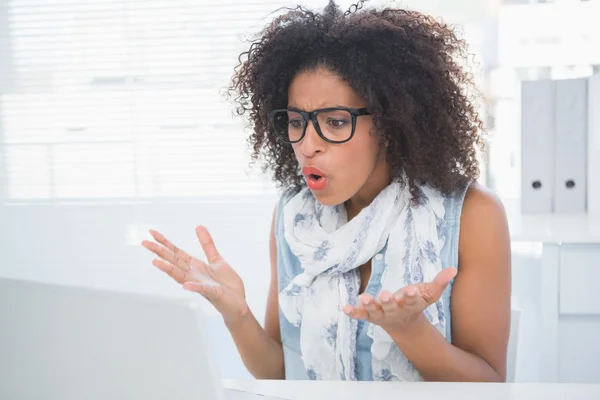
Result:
[321,88]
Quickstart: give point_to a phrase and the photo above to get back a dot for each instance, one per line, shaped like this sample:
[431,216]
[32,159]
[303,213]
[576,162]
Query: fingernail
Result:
[366,301]
[411,292]
[386,298]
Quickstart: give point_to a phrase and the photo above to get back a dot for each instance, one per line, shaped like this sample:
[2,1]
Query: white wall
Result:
[98,246]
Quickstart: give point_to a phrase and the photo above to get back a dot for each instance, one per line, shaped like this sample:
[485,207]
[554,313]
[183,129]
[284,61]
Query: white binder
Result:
[537,146]
[593,171]
[570,154]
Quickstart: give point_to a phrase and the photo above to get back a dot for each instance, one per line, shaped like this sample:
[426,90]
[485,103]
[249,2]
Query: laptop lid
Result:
[60,342]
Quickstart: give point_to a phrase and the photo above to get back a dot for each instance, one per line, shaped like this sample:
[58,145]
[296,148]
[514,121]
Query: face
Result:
[354,171]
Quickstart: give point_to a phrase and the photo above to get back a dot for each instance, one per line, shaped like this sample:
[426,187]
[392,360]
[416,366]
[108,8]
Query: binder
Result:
[537,146]
[570,154]
[593,171]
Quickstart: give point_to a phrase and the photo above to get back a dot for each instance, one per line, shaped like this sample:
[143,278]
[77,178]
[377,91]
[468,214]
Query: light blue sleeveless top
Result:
[288,266]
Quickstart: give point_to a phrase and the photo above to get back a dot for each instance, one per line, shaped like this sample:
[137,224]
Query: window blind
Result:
[113,99]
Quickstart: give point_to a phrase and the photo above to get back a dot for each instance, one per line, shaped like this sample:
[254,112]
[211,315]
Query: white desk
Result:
[554,228]
[319,390]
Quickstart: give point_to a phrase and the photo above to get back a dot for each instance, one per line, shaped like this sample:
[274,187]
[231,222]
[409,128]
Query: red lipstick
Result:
[315,178]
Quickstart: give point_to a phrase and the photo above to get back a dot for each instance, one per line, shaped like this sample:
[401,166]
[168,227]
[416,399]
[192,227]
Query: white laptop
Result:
[62,343]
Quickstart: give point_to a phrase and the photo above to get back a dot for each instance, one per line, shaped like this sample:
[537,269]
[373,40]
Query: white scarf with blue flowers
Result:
[331,249]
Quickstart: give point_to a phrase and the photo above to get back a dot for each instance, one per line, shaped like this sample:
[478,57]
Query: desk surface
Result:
[548,228]
[551,228]
[317,390]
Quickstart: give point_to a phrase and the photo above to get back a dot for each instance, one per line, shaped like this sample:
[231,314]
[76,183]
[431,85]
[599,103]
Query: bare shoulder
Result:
[481,202]
[484,226]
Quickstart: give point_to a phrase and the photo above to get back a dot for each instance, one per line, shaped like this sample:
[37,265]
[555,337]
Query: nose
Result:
[311,143]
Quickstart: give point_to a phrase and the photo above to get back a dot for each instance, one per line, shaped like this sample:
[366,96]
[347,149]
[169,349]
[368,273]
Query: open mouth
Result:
[315,178]
[316,182]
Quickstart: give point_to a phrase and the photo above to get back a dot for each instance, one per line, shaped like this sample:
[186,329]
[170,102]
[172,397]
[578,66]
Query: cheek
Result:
[361,153]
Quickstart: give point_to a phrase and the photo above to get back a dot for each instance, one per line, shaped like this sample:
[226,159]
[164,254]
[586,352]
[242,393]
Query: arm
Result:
[480,305]
[261,349]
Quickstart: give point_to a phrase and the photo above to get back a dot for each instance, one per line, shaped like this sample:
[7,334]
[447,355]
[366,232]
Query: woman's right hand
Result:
[215,280]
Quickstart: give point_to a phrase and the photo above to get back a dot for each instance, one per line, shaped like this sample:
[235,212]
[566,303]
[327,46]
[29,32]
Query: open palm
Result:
[394,311]
[214,279]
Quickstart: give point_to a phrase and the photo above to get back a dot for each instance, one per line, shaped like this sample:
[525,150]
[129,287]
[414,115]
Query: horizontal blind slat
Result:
[121,99]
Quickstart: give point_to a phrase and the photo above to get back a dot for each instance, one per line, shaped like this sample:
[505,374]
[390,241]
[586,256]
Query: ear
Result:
[383,150]
[383,141]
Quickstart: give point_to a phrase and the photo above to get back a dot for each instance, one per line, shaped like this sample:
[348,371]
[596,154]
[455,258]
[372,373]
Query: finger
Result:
[206,241]
[212,291]
[432,291]
[356,312]
[372,306]
[165,254]
[174,272]
[159,250]
[411,296]
[399,298]
[388,305]
[407,296]
[160,238]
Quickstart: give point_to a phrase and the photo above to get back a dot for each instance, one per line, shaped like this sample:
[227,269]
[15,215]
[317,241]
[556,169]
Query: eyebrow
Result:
[294,108]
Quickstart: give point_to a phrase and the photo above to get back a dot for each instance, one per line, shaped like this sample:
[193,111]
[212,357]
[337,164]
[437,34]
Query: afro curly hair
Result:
[405,65]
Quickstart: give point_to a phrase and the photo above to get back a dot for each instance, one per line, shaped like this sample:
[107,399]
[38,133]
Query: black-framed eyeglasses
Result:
[334,124]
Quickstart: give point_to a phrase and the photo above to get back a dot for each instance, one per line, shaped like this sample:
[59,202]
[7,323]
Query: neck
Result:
[379,179]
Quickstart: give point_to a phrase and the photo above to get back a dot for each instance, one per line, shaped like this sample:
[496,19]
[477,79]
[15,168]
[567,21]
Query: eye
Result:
[296,123]
[336,122]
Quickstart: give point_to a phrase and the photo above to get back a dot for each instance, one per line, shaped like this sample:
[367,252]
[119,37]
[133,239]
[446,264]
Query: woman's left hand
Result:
[397,311]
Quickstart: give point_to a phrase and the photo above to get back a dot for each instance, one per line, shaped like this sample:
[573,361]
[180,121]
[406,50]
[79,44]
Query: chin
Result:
[327,199]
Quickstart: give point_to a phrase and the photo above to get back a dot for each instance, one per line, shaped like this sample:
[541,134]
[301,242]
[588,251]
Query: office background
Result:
[113,121]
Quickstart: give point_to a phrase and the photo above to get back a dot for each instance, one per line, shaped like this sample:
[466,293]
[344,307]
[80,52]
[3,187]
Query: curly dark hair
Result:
[403,64]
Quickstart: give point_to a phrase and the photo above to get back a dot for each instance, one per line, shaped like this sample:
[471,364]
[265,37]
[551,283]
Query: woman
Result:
[388,262]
